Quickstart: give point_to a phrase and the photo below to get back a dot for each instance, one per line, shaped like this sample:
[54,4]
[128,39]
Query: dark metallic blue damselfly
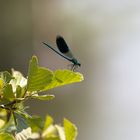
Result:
[65,51]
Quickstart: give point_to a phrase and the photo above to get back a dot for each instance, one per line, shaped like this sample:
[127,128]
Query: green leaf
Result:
[64,77]
[54,132]
[2,122]
[19,80]
[70,130]
[52,138]
[48,121]
[6,136]
[50,132]
[61,132]
[1,83]
[21,122]
[23,130]
[25,134]
[19,92]
[6,76]
[43,97]
[38,77]
[36,123]
[8,92]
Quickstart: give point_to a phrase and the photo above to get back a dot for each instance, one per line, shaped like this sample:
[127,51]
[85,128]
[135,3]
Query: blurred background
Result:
[105,38]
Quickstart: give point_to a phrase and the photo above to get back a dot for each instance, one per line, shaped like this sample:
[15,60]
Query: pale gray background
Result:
[104,35]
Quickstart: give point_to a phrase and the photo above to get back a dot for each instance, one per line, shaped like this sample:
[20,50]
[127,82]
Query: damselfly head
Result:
[75,62]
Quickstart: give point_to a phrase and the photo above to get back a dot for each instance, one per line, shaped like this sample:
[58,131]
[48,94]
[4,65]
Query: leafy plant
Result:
[15,89]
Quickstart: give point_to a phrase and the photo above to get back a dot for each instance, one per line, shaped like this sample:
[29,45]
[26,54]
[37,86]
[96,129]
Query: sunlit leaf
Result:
[53,132]
[70,130]
[25,134]
[6,136]
[1,83]
[6,76]
[43,97]
[64,77]
[61,132]
[38,77]
[50,132]
[48,122]
[8,92]
[19,80]
[52,138]
[2,122]
[18,92]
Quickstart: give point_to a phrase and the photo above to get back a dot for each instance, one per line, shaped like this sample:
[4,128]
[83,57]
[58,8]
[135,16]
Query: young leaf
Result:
[61,132]
[6,76]
[48,122]
[25,134]
[19,92]
[19,80]
[6,136]
[21,122]
[50,132]
[36,123]
[8,92]
[53,138]
[1,83]
[38,77]
[23,130]
[43,97]
[64,77]
[2,122]
[70,130]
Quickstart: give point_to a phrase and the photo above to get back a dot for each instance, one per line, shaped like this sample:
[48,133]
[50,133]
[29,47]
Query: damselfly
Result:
[65,51]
